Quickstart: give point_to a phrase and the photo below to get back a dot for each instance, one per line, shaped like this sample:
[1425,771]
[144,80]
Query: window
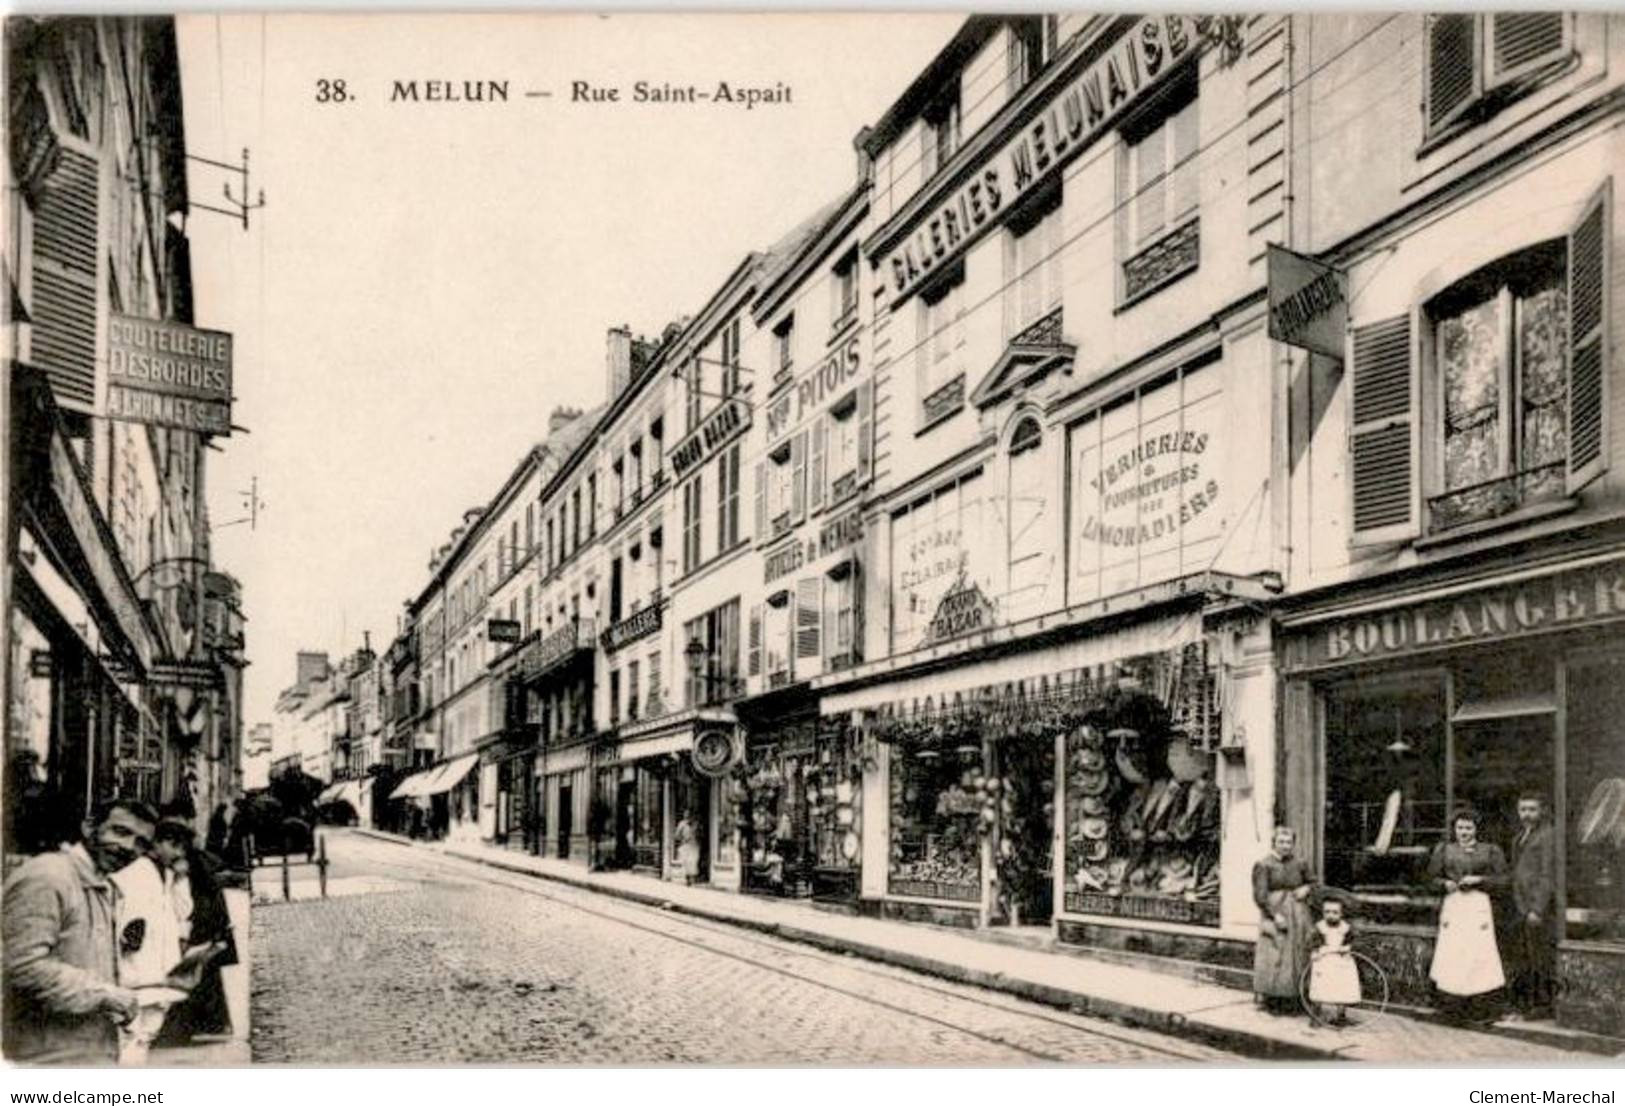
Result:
[781,488]
[632,690]
[713,669]
[1032,277]
[842,596]
[619,468]
[575,518]
[615,585]
[1514,408]
[530,528]
[502,557]
[1476,63]
[513,550]
[730,358]
[652,700]
[844,287]
[693,378]
[551,561]
[691,524]
[592,505]
[1026,50]
[784,345]
[1158,175]
[728,499]
[636,453]
[941,354]
[530,603]
[614,696]
[940,136]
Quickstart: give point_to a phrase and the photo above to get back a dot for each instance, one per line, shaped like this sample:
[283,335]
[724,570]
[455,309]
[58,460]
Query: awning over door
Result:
[434,781]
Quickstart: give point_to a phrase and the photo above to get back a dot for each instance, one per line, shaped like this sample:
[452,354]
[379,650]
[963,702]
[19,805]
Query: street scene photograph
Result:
[789,539]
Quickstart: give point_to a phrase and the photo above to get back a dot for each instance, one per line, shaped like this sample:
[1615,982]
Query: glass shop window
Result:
[1595,831]
[936,807]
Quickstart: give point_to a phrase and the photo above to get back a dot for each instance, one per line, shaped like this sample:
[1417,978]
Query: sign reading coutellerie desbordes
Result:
[1077,113]
[1564,600]
[962,610]
[167,374]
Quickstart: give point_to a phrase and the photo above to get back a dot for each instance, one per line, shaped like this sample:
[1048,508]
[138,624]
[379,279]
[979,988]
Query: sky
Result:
[427,281]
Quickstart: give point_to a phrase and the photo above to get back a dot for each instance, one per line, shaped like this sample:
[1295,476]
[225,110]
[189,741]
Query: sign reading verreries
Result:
[1080,111]
[1565,600]
[963,610]
[1308,302]
[167,374]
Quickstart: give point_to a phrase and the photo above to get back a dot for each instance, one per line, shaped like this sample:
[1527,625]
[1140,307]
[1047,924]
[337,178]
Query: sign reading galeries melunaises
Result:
[1561,601]
[1079,112]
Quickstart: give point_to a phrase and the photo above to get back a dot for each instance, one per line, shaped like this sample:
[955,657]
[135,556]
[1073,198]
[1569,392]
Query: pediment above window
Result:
[1029,357]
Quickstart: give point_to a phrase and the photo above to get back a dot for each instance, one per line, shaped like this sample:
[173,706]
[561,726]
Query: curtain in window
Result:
[1470,358]
[1542,338]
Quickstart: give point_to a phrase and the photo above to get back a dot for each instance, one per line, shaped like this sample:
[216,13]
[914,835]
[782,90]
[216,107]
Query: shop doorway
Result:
[691,799]
[566,819]
[1025,853]
[626,805]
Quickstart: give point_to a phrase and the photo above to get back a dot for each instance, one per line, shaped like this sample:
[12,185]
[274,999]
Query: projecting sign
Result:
[504,630]
[1308,302]
[167,374]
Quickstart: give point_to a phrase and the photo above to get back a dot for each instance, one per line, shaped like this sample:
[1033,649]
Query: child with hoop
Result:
[1334,980]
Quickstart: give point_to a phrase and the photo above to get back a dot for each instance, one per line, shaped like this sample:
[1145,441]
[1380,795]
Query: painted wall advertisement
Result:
[945,550]
[1150,500]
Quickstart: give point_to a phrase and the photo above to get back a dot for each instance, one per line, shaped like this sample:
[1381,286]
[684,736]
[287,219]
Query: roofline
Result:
[840,223]
[976,30]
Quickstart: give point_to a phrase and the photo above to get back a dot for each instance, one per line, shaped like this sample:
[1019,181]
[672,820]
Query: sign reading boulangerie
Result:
[167,374]
[1564,600]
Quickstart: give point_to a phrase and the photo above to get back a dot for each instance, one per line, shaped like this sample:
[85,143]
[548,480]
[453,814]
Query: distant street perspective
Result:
[419,958]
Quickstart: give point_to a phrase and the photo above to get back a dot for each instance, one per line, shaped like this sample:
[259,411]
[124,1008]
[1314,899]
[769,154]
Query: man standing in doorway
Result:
[63,1004]
[1534,901]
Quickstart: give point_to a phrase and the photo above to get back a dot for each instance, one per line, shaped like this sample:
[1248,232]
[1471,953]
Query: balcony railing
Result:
[574,637]
[1497,497]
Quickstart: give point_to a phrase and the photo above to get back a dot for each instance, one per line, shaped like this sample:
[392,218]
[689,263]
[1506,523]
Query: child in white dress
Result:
[1334,980]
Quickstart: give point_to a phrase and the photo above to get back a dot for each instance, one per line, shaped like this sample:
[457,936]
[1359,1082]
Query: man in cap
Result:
[1534,900]
[63,1004]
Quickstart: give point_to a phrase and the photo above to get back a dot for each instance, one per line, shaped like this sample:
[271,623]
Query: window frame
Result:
[949,336]
[1490,92]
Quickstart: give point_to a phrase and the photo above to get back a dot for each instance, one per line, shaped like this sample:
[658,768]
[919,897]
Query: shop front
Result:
[564,829]
[1401,710]
[441,796]
[1080,784]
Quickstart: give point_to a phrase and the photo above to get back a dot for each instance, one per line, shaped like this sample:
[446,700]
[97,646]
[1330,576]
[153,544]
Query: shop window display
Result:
[937,810]
[774,823]
[1142,817]
[1595,863]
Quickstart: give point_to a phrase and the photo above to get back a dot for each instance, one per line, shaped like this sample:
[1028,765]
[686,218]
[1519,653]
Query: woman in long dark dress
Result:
[1467,967]
[1282,884]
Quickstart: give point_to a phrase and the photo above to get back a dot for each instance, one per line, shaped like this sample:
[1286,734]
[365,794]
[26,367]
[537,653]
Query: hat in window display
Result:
[1090,737]
[1094,828]
[1091,760]
[1130,761]
[1093,805]
[1093,783]
[1096,851]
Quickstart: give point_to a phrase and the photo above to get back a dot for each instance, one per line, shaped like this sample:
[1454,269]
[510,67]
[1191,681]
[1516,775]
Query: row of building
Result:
[1180,427]
[123,641]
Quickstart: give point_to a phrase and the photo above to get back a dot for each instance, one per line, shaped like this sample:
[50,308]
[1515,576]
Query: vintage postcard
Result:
[814,539]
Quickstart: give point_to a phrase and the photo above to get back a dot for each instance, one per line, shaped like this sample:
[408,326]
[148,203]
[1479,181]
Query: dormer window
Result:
[941,135]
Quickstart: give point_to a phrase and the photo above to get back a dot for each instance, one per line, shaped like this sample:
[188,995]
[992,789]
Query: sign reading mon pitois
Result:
[1575,598]
[168,374]
[1078,113]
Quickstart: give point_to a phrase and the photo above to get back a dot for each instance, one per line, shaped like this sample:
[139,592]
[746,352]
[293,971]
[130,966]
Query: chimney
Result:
[866,162]
[619,360]
[564,416]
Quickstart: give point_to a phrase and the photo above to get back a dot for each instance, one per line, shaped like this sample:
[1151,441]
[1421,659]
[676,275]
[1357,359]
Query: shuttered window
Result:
[1382,442]
[809,619]
[1589,280]
[755,649]
[1475,61]
[818,469]
[866,430]
[65,284]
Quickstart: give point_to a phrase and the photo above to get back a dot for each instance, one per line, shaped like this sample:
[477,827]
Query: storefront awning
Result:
[345,791]
[444,777]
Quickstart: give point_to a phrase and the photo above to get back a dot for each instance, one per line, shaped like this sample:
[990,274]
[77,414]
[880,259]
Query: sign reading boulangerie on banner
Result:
[168,374]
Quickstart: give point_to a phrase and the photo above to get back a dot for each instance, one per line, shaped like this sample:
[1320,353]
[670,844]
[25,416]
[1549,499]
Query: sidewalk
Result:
[1220,1016]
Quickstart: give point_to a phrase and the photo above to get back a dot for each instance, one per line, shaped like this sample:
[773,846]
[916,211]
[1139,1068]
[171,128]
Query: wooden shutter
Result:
[1588,339]
[866,430]
[761,502]
[809,614]
[755,649]
[1383,432]
[1453,78]
[65,298]
[798,477]
[819,476]
[857,611]
[1525,41]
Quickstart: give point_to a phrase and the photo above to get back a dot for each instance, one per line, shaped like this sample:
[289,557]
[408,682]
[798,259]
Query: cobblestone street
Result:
[418,957]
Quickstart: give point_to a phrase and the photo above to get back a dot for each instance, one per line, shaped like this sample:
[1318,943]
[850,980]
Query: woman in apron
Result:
[1466,962]
[1282,884]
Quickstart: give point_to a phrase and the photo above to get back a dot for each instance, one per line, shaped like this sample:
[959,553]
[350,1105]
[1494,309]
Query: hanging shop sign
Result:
[829,380]
[1565,600]
[716,750]
[504,630]
[1149,497]
[166,374]
[186,675]
[727,422]
[1308,302]
[1081,111]
[632,628]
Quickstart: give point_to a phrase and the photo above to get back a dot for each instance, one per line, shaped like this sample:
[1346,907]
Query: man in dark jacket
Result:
[1534,901]
[63,1004]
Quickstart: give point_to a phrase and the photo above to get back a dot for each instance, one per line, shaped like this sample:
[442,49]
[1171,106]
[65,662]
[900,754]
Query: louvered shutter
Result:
[866,430]
[754,660]
[1588,339]
[1525,41]
[798,478]
[1453,78]
[809,616]
[761,502]
[1383,432]
[857,611]
[66,250]
[820,462]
